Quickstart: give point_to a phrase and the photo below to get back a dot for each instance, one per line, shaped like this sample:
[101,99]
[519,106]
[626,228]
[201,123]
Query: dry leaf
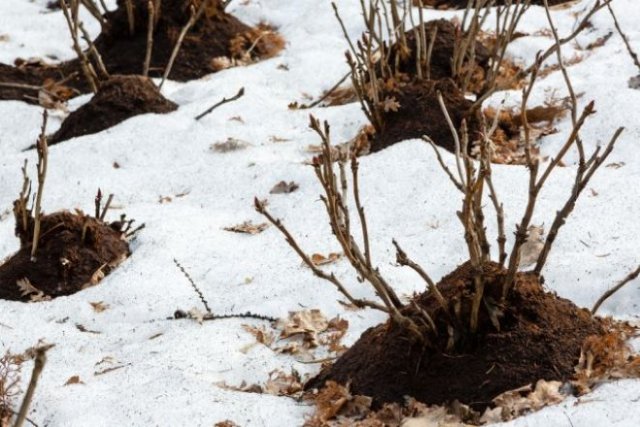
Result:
[514,403]
[196,315]
[247,388]
[284,188]
[231,144]
[274,138]
[73,380]
[615,165]
[334,399]
[607,357]
[282,384]
[261,334]
[27,289]
[226,423]
[532,247]
[390,104]
[307,323]
[319,259]
[99,306]
[248,227]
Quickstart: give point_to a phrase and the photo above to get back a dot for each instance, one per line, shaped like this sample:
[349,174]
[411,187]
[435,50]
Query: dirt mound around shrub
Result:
[75,251]
[216,34]
[414,111]
[29,81]
[540,337]
[119,98]
[216,41]
[442,53]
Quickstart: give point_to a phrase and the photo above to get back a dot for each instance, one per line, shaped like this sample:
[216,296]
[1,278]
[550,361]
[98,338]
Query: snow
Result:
[170,380]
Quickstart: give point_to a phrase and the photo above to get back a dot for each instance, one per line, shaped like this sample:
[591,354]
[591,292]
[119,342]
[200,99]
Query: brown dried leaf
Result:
[319,259]
[284,188]
[308,323]
[390,104]
[514,403]
[607,357]
[99,306]
[244,387]
[282,384]
[73,380]
[226,423]
[248,227]
[27,289]
[261,334]
[334,399]
[231,144]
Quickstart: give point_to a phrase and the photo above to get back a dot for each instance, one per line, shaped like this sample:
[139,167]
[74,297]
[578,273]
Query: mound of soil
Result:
[419,113]
[216,38]
[442,53]
[26,80]
[216,34]
[118,99]
[540,337]
[75,251]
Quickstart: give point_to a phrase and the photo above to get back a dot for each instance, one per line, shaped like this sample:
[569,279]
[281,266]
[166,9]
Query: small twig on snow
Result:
[219,103]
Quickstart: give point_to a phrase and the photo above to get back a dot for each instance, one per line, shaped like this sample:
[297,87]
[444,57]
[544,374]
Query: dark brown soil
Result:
[216,34]
[119,98]
[25,80]
[75,251]
[443,49]
[420,114]
[540,338]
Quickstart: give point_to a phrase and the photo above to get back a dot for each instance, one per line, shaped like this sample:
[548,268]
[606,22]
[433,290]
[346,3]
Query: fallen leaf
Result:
[282,384]
[319,259]
[261,334]
[99,306]
[226,423]
[308,323]
[274,138]
[231,144]
[390,104]
[615,165]
[284,188]
[73,380]
[248,227]
[27,289]
[526,399]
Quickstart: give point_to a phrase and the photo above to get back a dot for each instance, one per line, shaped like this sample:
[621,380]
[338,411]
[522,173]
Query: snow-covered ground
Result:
[170,380]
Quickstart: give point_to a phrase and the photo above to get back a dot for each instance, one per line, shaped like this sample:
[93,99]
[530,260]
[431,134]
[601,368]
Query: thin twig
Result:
[106,207]
[39,362]
[194,286]
[327,93]
[129,7]
[195,15]
[625,39]
[631,276]
[43,157]
[150,27]
[87,67]
[219,103]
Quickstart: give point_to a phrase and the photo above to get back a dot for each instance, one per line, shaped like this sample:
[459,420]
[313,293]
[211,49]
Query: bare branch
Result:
[631,276]
[218,104]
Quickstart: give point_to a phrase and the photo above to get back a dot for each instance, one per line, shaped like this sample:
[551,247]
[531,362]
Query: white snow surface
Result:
[170,380]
